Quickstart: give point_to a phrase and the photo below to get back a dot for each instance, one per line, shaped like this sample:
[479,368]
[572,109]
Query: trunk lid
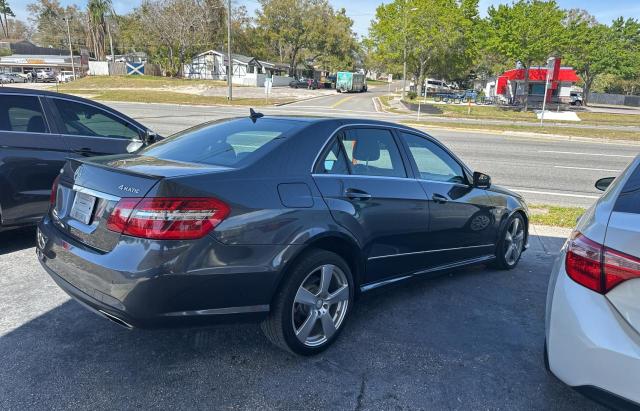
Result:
[623,235]
[89,189]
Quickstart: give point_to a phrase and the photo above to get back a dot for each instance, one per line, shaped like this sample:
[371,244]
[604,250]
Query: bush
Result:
[412,95]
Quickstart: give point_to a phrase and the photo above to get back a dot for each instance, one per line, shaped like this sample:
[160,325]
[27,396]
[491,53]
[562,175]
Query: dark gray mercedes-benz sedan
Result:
[283,220]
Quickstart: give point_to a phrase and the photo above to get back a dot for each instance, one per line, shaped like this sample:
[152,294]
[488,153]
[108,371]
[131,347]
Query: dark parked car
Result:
[39,130]
[278,219]
[303,83]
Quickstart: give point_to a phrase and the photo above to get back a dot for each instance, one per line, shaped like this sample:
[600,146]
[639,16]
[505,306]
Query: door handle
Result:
[439,198]
[355,194]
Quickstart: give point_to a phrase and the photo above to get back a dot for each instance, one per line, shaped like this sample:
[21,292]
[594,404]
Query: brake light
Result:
[597,267]
[54,191]
[619,267]
[167,218]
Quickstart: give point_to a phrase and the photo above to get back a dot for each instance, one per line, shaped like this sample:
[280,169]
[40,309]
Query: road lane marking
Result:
[375,105]
[588,169]
[585,154]
[548,193]
[342,101]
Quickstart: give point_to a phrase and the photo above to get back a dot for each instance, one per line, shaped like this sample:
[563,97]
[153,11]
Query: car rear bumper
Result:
[147,284]
[590,346]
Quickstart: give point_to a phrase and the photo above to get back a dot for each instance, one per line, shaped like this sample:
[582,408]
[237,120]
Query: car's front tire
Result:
[510,243]
[312,305]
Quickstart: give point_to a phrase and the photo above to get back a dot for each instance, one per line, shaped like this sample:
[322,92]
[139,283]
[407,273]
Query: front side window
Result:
[373,152]
[433,162]
[22,113]
[85,120]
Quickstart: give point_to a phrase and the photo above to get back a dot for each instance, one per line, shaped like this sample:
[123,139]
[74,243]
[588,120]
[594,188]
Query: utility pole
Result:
[113,57]
[404,53]
[230,67]
[73,66]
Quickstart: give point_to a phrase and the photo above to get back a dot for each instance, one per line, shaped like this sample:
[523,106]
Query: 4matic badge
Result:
[129,189]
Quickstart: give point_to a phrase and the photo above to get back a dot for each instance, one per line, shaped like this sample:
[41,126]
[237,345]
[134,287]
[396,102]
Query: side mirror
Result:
[149,137]
[481,180]
[604,183]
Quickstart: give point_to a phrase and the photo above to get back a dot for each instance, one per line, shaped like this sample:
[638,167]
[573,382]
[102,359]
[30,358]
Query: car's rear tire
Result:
[510,243]
[312,305]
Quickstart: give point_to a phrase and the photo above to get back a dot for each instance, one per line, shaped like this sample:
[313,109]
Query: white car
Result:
[65,76]
[593,300]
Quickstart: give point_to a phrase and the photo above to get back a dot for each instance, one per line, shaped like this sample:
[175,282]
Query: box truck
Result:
[347,82]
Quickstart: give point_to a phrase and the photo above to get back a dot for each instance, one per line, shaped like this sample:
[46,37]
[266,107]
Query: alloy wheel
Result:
[320,305]
[514,241]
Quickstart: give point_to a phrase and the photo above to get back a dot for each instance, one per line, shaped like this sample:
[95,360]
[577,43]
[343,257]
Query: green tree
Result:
[528,31]
[306,30]
[437,35]
[626,38]
[590,48]
[47,18]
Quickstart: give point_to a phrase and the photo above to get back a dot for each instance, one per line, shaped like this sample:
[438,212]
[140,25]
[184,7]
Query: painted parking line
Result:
[342,101]
[549,193]
[585,154]
[588,169]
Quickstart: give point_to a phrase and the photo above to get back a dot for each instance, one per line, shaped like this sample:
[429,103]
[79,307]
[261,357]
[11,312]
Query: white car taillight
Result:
[597,267]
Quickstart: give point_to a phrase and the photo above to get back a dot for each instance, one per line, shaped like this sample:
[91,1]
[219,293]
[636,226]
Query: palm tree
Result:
[97,11]
[5,9]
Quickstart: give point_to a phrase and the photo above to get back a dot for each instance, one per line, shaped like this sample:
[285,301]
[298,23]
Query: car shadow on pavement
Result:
[16,240]
[470,339]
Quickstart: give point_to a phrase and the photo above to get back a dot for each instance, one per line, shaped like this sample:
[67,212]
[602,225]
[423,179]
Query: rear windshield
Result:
[629,199]
[226,143]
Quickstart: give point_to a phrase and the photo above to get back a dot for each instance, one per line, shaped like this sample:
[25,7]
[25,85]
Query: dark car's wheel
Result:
[510,243]
[312,305]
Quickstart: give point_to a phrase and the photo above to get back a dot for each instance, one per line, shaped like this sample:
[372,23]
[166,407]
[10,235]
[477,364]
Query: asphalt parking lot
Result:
[465,340]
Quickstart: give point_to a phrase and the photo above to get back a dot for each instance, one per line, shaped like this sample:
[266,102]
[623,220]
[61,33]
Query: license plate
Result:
[82,207]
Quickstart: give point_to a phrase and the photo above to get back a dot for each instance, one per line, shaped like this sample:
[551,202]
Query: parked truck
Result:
[350,82]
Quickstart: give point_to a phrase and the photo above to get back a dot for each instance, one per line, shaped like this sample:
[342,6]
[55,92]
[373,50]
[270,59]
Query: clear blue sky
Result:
[363,11]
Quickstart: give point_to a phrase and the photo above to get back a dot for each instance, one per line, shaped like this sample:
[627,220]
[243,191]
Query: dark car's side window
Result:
[433,162]
[22,113]
[629,199]
[373,152]
[86,120]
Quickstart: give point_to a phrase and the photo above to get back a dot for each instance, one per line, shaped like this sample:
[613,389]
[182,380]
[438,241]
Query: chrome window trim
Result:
[361,176]
[387,126]
[430,251]
[326,143]
[95,193]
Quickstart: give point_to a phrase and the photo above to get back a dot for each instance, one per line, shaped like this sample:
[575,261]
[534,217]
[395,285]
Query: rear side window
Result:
[225,143]
[629,199]
[373,152]
[22,113]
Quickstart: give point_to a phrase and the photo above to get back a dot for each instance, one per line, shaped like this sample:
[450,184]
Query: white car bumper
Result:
[590,345]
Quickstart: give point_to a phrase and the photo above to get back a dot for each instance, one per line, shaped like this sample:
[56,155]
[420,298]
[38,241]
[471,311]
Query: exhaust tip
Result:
[116,320]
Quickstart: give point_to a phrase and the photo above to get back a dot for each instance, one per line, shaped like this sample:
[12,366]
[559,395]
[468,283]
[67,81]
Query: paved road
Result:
[466,340]
[544,170]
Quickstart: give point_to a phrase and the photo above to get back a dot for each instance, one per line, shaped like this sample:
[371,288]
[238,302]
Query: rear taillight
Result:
[167,218]
[597,267]
[54,191]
